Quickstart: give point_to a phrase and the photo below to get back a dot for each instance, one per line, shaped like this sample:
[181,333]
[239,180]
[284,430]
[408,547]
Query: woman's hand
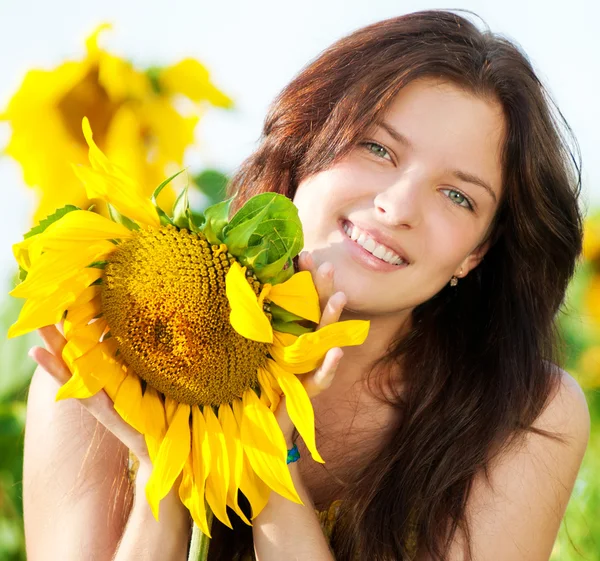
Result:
[332,306]
[99,405]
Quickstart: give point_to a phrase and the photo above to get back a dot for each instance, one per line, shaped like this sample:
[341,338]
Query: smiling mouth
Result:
[376,249]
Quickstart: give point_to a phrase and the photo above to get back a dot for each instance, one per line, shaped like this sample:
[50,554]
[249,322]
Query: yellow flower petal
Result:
[128,402]
[80,226]
[192,492]
[74,387]
[192,496]
[266,387]
[235,455]
[298,295]
[308,350]
[80,316]
[155,421]
[191,78]
[172,456]
[79,343]
[265,447]
[91,372]
[298,406]
[38,313]
[55,268]
[246,317]
[254,489]
[217,483]
[112,185]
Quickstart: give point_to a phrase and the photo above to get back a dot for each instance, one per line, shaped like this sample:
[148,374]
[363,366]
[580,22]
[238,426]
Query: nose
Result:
[400,203]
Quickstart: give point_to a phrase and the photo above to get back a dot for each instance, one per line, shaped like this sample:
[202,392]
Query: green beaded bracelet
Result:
[293,455]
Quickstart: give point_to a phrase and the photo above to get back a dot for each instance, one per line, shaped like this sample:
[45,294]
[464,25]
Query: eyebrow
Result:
[473,179]
[460,175]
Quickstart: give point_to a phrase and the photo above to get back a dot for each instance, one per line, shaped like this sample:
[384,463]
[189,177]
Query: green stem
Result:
[200,542]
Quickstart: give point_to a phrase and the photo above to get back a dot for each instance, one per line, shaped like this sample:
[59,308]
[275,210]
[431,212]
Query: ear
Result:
[473,259]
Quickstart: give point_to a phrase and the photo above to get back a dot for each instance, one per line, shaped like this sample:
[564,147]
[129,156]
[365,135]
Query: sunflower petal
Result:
[309,349]
[254,489]
[78,317]
[298,406]
[128,402]
[265,446]
[155,422]
[82,225]
[73,387]
[246,317]
[217,483]
[172,456]
[80,342]
[56,268]
[235,454]
[192,496]
[298,295]
[266,387]
[111,184]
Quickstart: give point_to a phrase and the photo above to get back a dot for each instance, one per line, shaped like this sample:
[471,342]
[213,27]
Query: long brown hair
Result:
[478,363]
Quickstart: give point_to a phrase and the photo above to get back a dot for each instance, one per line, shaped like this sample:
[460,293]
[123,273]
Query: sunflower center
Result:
[87,99]
[163,296]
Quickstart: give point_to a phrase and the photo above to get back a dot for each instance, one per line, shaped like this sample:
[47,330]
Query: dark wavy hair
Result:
[479,363]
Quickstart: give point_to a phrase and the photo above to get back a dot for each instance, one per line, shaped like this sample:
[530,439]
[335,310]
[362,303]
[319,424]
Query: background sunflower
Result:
[136,114]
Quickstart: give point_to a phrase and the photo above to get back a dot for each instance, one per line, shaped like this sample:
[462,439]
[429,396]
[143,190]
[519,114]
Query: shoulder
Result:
[567,414]
[515,510]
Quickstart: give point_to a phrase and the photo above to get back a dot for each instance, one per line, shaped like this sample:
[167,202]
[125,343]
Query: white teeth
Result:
[379,251]
[368,243]
[388,256]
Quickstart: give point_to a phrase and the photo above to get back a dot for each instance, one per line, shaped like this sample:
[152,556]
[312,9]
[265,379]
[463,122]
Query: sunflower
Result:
[194,332]
[132,111]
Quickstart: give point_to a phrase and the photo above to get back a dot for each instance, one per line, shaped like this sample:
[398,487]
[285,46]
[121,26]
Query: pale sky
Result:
[253,48]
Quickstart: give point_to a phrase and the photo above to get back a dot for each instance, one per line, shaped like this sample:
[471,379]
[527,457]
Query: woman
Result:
[439,201]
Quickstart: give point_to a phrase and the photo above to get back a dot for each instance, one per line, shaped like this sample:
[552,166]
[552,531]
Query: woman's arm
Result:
[146,539]
[286,530]
[76,491]
[517,514]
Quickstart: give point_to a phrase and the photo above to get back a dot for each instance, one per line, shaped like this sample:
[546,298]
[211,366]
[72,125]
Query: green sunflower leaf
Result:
[116,216]
[181,208]
[266,234]
[163,216]
[216,220]
[291,327]
[50,219]
[279,314]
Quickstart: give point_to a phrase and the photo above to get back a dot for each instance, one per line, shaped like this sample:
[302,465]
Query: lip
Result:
[366,259]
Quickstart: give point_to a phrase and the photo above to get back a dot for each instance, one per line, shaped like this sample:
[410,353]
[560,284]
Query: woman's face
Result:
[411,204]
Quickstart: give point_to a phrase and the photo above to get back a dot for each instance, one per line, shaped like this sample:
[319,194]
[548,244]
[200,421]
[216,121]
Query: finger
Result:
[305,261]
[323,279]
[52,364]
[333,309]
[323,376]
[53,338]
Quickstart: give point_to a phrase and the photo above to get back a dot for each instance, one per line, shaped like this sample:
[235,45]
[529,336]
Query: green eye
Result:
[458,198]
[377,149]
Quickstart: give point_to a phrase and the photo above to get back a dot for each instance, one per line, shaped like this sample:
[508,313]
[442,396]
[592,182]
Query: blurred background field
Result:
[187,84]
